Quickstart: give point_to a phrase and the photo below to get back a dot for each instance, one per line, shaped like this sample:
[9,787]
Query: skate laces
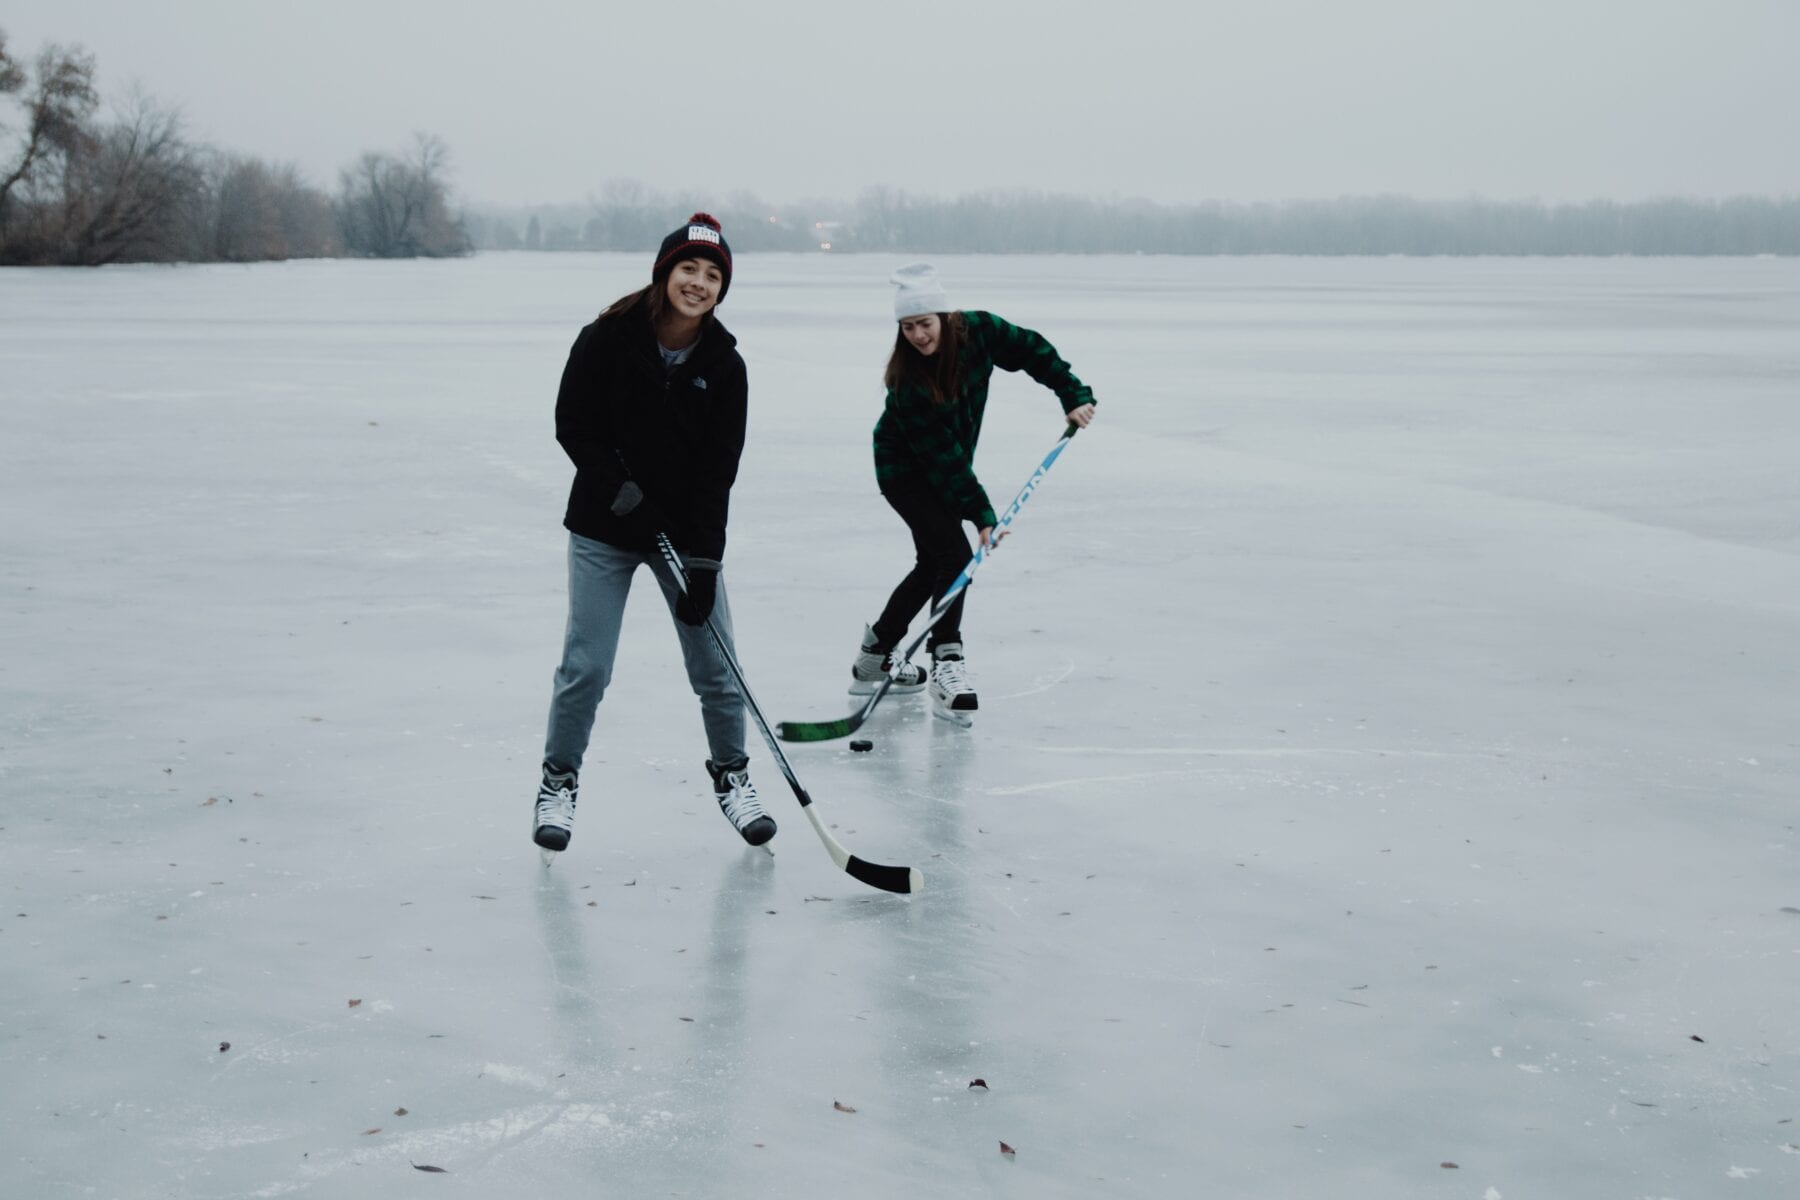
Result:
[556,803]
[950,675]
[907,672]
[740,801]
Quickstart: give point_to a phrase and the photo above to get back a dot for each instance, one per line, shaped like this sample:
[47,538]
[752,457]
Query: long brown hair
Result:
[937,374]
[652,297]
[655,299]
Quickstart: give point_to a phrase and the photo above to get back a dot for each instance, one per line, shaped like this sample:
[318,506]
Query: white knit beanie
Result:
[920,292]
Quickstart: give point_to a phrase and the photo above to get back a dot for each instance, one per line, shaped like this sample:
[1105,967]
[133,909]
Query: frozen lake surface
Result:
[1385,784]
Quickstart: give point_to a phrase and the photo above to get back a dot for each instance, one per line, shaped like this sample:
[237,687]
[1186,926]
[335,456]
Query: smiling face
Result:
[693,287]
[923,332]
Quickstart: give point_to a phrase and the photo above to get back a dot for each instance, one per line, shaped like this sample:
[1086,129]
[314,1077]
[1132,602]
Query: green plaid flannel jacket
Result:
[915,437]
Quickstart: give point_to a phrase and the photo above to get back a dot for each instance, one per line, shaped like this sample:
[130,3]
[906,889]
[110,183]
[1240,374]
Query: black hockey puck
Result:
[861,745]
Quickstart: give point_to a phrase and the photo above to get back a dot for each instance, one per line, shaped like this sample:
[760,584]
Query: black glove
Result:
[638,512]
[696,604]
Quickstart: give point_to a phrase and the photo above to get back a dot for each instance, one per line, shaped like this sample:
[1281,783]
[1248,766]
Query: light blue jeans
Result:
[599,580]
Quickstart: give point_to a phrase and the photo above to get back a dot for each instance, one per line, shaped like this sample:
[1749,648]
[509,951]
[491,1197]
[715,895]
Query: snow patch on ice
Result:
[516,1075]
[208,1140]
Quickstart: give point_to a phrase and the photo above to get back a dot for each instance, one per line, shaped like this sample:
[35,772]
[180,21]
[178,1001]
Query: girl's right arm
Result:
[583,420]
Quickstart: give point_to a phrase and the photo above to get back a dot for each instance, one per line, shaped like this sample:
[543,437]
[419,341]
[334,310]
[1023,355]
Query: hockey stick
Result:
[823,731]
[905,880]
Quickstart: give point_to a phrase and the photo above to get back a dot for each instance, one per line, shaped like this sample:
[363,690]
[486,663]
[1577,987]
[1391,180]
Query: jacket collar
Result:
[715,339]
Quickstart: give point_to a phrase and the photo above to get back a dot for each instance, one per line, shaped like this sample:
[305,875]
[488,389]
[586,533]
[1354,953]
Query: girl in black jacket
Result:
[651,410]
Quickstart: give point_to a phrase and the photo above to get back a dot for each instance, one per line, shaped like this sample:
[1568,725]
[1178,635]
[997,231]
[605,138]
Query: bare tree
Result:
[244,224]
[308,224]
[12,75]
[258,211]
[58,99]
[627,216]
[392,206]
[131,197]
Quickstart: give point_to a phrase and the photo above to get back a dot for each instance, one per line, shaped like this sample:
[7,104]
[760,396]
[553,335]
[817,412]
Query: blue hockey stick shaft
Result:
[813,731]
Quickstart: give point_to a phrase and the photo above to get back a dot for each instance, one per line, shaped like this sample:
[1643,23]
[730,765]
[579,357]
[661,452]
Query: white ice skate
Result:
[952,695]
[738,801]
[554,821]
[873,665]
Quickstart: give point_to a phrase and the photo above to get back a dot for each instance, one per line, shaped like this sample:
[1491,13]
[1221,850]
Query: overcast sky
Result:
[791,99]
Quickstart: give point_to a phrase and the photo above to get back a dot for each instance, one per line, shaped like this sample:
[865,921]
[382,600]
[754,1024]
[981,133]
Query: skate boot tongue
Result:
[874,664]
[554,813]
[951,690]
[739,802]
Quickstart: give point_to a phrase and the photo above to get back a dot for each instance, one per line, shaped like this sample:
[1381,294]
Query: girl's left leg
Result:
[942,550]
[721,706]
[721,711]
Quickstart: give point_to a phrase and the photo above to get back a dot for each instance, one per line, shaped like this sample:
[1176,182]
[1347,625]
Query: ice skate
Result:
[738,801]
[873,665]
[554,822]
[952,695]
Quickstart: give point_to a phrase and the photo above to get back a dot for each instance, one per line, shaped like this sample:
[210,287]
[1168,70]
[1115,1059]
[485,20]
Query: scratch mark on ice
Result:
[1063,783]
[1257,751]
[1045,682]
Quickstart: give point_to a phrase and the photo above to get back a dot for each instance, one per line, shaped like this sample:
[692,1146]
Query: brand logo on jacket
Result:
[700,233]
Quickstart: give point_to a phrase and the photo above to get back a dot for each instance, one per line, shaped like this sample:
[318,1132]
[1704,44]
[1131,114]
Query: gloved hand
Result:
[696,604]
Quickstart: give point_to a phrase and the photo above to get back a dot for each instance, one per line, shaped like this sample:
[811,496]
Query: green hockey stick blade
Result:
[816,731]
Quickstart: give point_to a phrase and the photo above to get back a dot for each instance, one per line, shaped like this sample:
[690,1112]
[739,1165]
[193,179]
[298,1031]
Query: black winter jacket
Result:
[678,434]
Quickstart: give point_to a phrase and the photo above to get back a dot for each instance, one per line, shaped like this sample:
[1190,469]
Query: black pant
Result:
[943,551]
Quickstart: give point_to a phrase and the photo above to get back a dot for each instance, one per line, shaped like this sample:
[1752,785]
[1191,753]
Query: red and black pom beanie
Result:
[699,238]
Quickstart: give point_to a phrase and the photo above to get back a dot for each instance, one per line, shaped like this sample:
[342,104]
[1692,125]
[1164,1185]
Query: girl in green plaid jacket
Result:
[937,390]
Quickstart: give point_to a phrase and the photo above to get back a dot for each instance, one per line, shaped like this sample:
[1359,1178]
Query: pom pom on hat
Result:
[701,237]
[920,292]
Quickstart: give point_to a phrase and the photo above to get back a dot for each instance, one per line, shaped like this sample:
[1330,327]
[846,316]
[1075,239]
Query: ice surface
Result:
[1387,756]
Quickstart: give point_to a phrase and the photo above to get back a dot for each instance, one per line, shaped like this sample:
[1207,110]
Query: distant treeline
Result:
[629,217]
[77,190]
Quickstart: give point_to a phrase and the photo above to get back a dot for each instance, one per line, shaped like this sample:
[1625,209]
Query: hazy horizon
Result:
[802,101]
